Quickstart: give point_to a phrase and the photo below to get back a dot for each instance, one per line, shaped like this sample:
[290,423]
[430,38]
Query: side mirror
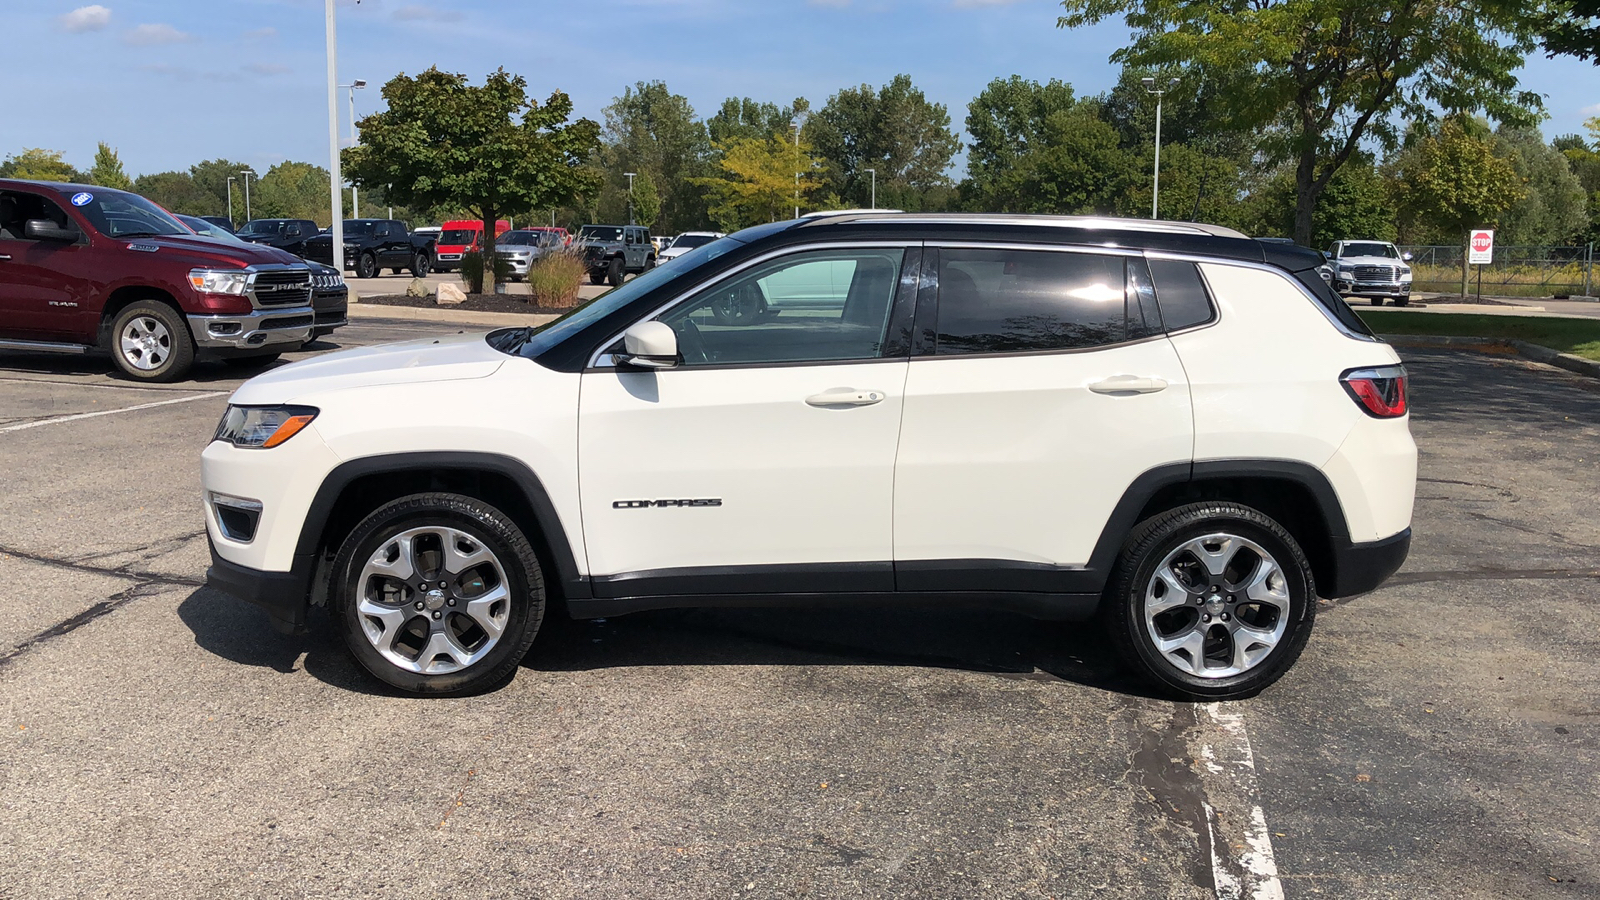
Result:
[1406,257]
[46,230]
[650,345]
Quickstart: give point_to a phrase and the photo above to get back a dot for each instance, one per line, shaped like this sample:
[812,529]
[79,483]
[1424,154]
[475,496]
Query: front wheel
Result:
[366,266]
[438,594]
[420,265]
[1377,301]
[1212,601]
[150,342]
[597,278]
[614,272]
[1402,301]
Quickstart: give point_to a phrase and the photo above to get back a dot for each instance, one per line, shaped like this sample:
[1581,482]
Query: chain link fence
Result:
[1515,272]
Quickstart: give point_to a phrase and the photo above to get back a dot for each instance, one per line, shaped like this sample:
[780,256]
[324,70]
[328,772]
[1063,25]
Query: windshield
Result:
[206,229]
[459,236]
[691,241]
[116,214]
[517,239]
[531,342]
[1370,249]
[358,226]
[600,233]
[265,226]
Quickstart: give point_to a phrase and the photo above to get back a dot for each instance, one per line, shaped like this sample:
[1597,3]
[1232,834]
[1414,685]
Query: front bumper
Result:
[519,264]
[258,329]
[282,594]
[1374,289]
[331,310]
[1359,568]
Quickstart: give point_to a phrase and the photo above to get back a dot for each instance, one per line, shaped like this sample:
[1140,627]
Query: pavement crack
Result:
[1491,575]
[148,552]
[66,626]
[123,571]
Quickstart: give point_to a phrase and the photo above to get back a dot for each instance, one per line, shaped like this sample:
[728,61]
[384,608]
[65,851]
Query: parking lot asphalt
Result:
[1439,738]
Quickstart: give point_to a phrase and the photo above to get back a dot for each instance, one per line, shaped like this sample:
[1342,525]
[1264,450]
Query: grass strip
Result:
[1580,337]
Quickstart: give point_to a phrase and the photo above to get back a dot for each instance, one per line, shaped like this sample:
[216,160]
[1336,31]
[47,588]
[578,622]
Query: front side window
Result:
[17,207]
[1029,301]
[814,306]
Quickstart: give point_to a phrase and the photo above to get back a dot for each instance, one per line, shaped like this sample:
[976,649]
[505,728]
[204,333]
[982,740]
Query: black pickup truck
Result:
[372,245]
[285,234]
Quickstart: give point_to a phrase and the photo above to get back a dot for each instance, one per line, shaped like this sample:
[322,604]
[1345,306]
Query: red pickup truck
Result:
[86,269]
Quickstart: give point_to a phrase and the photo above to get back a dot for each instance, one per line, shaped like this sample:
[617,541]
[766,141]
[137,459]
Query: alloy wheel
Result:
[433,600]
[146,343]
[1217,606]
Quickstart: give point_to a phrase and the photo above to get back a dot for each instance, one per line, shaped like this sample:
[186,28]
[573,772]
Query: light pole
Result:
[230,201]
[357,84]
[336,226]
[630,195]
[1155,190]
[874,174]
[245,176]
[796,124]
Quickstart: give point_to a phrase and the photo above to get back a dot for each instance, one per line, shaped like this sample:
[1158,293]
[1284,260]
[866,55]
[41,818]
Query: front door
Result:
[1047,388]
[764,462]
[44,292]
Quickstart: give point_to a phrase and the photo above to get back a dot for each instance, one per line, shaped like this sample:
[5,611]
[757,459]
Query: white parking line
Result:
[1242,863]
[110,412]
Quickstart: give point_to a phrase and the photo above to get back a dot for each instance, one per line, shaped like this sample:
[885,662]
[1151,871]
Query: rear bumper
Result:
[1359,568]
[263,328]
[281,594]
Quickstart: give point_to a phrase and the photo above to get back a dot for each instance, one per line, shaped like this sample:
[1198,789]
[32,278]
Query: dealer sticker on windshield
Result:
[82,198]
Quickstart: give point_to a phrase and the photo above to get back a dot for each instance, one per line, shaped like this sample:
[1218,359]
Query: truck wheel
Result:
[419,265]
[1211,601]
[1402,301]
[1377,301]
[649,263]
[437,594]
[614,272]
[150,342]
[366,266]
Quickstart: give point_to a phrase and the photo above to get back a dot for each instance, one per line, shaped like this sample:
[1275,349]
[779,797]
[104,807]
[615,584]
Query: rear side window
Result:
[1180,293]
[1027,301]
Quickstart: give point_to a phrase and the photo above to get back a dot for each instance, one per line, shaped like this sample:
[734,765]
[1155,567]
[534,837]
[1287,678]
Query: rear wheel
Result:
[438,594]
[1212,601]
[597,278]
[614,272]
[420,265]
[150,342]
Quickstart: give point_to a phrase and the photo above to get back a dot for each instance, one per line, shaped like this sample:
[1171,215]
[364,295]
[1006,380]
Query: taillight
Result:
[1381,391]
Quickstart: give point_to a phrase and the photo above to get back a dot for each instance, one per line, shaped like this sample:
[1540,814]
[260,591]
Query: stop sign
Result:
[1482,247]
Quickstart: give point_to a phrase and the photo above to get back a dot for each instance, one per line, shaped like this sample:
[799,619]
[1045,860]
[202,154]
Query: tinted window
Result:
[458,236]
[690,241]
[1180,293]
[1144,317]
[517,239]
[116,214]
[1021,301]
[16,208]
[816,306]
[600,233]
[1371,249]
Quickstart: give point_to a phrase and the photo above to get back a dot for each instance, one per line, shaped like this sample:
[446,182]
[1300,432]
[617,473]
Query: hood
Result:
[197,250]
[449,358]
[671,252]
[1371,261]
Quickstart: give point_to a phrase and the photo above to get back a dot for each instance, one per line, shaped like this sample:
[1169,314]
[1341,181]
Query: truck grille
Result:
[1374,273]
[285,287]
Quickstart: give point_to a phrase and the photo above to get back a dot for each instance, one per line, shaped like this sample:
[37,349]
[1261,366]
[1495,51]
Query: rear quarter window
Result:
[1181,294]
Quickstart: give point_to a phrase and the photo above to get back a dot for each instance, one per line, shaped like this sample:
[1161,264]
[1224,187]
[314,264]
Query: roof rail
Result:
[1102,223]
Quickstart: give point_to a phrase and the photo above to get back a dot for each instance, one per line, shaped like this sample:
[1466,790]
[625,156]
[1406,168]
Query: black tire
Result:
[420,264]
[251,362]
[366,266]
[649,262]
[597,278]
[1377,301]
[1122,609]
[484,524]
[1402,301]
[167,355]
[614,272]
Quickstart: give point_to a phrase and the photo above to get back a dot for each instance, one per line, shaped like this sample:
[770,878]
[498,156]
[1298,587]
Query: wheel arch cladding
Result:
[355,488]
[1295,494]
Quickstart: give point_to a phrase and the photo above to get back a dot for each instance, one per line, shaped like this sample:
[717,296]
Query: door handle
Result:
[1128,384]
[845,397]
[5,256]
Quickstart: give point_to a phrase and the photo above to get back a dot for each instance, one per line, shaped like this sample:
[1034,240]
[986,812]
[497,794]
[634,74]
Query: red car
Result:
[86,269]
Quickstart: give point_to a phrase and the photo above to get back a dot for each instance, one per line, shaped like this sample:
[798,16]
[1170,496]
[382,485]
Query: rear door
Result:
[764,462]
[46,292]
[1042,386]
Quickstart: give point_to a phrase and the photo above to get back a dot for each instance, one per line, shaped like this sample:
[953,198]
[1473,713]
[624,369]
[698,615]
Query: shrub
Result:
[472,271]
[554,278]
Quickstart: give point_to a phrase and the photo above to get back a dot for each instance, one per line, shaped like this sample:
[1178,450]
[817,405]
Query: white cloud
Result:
[419,13]
[150,35]
[86,18]
[261,34]
[1590,110]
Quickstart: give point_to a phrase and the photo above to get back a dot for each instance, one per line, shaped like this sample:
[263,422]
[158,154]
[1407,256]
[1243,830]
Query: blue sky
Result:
[172,82]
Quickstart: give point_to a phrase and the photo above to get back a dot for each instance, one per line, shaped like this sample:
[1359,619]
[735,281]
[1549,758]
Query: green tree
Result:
[1553,208]
[646,200]
[294,190]
[1007,123]
[742,117]
[1322,78]
[1584,160]
[107,169]
[211,177]
[1566,27]
[1453,179]
[488,148]
[1195,186]
[1037,149]
[894,130]
[175,191]
[651,131]
[34,164]
[758,181]
[1356,204]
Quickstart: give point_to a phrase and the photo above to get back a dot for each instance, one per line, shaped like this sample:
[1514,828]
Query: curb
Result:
[1535,352]
[452,316]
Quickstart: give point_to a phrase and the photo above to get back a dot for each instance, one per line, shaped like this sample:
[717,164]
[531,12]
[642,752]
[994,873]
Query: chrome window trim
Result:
[1089,249]
[595,358]
[1286,276]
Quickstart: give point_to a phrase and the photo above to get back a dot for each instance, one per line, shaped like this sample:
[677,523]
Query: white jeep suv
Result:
[1173,427]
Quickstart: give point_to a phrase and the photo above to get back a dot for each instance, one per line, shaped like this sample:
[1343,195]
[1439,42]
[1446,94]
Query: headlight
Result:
[1405,273]
[262,427]
[219,281]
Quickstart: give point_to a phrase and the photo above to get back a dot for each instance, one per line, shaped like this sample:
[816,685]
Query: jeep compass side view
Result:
[1172,428]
